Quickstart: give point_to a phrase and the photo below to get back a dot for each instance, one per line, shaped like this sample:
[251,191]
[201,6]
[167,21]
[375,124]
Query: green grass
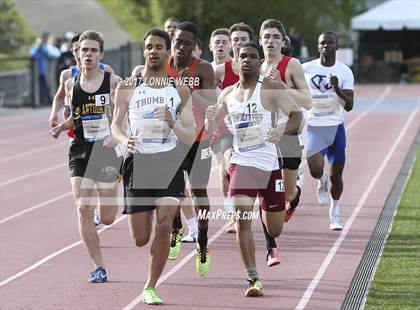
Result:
[122,12]
[396,284]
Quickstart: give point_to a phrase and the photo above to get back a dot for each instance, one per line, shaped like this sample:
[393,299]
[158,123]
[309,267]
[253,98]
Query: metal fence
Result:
[20,87]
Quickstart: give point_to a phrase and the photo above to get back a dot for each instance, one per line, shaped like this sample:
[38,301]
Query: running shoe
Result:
[255,288]
[150,297]
[98,275]
[175,248]
[202,261]
[273,257]
[322,191]
[190,238]
[96,218]
[300,179]
[291,206]
[335,222]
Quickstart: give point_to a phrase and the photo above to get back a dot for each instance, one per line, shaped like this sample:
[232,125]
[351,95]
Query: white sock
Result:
[324,177]
[192,225]
[334,208]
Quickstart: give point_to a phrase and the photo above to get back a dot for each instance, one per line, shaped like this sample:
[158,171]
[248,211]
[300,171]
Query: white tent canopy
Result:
[390,15]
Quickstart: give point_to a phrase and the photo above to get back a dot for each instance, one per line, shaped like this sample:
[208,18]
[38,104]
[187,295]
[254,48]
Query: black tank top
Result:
[88,107]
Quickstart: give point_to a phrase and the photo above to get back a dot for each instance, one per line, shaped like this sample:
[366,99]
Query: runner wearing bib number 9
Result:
[93,161]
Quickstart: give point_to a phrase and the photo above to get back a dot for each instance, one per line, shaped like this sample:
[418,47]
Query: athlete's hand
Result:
[274,75]
[53,120]
[55,131]
[131,142]
[110,142]
[334,81]
[274,135]
[164,114]
[211,113]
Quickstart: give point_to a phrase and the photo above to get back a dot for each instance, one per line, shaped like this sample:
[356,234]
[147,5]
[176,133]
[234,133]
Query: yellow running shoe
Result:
[202,261]
[150,297]
[175,247]
[255,289]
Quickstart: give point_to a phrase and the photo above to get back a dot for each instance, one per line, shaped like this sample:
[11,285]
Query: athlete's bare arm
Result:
[59,97]
[275,93]
[346,94]
[219,74]
[205,96]
[68,123]
[184,126]
[123,94]
[301,92]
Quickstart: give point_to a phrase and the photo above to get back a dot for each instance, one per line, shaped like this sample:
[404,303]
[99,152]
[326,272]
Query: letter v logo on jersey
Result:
[279,186]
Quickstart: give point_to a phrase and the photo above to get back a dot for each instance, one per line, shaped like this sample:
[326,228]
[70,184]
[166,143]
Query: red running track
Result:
[44,266]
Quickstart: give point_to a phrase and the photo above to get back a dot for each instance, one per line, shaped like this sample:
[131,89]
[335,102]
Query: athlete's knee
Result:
[141,240]
[316,172]
[275,231]
[107,219]
[83,210]
[163,228]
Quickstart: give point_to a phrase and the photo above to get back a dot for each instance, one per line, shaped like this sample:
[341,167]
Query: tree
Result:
[13,32]
[310,17]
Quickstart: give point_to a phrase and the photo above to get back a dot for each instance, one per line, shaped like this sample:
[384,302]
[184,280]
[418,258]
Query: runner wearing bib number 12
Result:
[254,166]
[331,84]
[93,161]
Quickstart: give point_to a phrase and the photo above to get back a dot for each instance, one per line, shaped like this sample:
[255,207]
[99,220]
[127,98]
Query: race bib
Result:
[248,136]
[205,153]
[95,127]
[323,105]
[101,100]
[155,130]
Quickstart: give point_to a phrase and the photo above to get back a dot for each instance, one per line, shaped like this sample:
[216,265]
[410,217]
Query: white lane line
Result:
[318,277]
[40,205]
[34,151]
[31,174]
[175,268]
[51,256]
[371,107]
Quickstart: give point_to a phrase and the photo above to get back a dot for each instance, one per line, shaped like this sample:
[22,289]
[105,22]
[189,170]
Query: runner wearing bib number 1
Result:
[93,161]
[331,84]
[254,166]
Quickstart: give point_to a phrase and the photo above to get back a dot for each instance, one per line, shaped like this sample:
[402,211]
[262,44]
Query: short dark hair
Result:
[94,36]
[190,27]
[159,33]
[256,46]
[242,27]
[220,31]
[273,23]
[331,34]
[75,38]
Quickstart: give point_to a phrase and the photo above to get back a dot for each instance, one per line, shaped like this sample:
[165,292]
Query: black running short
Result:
[148,177]
[291,152]
[93,161]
